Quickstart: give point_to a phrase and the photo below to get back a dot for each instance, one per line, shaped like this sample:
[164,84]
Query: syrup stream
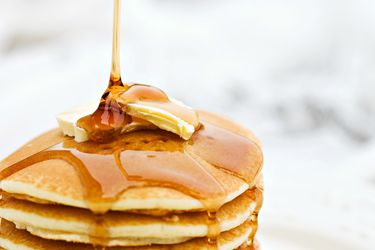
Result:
[115,77]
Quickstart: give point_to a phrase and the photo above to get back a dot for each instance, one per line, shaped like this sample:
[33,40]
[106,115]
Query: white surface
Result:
[299,73]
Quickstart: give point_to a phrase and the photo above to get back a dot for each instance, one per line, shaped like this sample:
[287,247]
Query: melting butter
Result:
[68,121]
[171,115]
[163,119]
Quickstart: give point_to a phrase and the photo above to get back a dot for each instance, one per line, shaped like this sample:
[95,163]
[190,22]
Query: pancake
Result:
[37,218]
[146,189]
[13,238]
[57,181]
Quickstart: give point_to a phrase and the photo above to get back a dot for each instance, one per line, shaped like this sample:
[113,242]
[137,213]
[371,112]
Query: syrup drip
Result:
[255,193]
[213,229]
[249,246]
[99,228]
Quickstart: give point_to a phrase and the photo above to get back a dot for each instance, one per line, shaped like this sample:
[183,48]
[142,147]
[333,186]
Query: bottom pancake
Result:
[13,238]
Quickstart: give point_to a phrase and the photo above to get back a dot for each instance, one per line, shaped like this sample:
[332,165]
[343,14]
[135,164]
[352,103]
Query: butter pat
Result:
[162,119]
[68,121]
[148,114]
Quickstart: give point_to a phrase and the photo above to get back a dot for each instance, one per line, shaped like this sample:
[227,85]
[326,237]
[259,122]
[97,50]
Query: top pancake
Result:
[57,181]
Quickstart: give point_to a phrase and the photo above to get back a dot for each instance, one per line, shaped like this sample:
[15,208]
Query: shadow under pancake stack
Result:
[147,173]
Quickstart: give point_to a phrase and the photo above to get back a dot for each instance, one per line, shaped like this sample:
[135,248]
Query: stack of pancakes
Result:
[44,206]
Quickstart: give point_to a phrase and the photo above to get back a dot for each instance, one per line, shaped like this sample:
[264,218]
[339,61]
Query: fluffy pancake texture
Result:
[55,181]
[62,219]
[45,206]
[13,238]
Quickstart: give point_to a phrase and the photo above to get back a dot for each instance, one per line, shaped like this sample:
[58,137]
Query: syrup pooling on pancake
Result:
[133,160]
[212,143]
[107,169]
[148,158]
[142,158]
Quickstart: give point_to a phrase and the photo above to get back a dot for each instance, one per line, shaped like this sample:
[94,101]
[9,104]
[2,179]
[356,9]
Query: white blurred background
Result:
[299,73]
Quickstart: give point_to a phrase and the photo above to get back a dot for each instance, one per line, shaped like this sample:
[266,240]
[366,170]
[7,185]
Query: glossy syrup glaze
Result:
[155,158]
